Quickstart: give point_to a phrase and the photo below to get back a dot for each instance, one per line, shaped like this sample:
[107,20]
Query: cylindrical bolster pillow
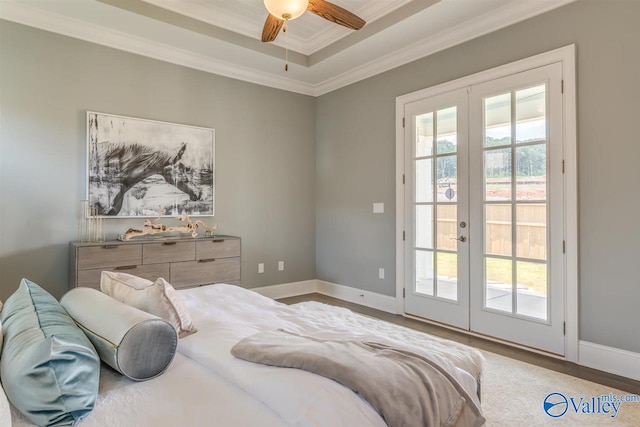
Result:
[137,344]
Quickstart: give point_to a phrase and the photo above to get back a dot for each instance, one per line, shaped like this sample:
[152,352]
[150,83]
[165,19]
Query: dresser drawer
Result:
[183,261]
[217,248]
[108,256]
[91,278]
[153,253]
[205,272]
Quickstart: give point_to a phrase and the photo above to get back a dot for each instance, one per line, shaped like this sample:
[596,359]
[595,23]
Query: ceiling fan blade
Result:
[272,27]
[333,13]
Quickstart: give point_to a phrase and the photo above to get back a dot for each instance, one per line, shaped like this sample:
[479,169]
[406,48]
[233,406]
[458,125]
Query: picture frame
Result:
[146,168]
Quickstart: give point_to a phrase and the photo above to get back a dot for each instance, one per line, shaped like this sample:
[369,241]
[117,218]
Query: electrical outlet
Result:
[381,273]
[280,265]
[261,268]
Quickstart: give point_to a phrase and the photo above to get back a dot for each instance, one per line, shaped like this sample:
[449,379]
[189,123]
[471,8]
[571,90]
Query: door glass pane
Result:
[424,272]
[424,180]
[447,227]
[424,135]
[532,289]
[424,226]
[497,120]
[447,130]
[447,176]
[531,123]
[498,230]
[498,284]
[531,231]
[530,176]
[531,172]
[497,172]
[447,275]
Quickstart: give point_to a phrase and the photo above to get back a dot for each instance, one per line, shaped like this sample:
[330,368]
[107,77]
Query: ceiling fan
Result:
[281,11]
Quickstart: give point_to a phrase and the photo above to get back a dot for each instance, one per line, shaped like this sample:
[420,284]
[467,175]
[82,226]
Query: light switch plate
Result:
[261,268]
[381,273]
[378,208]
[280,265]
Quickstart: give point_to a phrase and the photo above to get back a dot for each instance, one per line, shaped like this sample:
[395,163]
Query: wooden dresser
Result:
[183,261]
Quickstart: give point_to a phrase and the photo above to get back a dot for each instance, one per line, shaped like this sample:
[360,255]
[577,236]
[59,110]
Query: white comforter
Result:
[186,395]
[225,314]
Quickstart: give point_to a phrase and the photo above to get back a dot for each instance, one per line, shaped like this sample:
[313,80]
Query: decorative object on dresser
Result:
[90,225]
[155,227]
[183,261]
[134,165]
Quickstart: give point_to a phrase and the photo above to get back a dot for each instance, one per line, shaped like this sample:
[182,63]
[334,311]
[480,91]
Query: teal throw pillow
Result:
[49,368]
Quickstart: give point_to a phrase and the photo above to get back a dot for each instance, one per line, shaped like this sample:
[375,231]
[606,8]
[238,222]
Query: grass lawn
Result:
[531,275]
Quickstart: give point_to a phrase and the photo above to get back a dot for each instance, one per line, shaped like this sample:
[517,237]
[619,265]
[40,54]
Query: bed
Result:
[206,385]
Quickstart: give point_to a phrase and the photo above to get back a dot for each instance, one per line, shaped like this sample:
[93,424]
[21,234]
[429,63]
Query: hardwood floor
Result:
[604,378]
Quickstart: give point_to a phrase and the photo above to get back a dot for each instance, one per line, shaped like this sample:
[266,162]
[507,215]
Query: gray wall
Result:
[355,159]
[265,176]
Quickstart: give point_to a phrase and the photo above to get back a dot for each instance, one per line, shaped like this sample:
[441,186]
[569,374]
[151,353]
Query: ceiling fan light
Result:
[286,9]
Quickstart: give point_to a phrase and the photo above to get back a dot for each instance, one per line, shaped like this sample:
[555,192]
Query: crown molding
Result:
[56,23]
[507,15]
[484,24]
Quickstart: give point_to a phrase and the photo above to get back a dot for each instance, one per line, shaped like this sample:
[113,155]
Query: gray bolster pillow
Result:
[137,344]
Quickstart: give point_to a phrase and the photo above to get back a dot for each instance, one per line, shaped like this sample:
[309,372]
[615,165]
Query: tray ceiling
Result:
[307,34]
[223,36]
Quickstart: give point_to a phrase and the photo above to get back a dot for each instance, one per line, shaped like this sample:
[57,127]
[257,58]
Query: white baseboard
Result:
[286,290]
[358,296]
[345,293]
[609,359]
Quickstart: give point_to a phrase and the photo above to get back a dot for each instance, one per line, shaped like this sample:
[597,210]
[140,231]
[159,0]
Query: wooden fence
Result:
[531,230]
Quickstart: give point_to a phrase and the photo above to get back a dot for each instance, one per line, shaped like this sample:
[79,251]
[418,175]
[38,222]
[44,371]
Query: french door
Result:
[484,208]
[439,208]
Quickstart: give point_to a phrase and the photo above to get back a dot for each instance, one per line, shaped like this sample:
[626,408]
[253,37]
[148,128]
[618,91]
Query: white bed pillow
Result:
[158,298]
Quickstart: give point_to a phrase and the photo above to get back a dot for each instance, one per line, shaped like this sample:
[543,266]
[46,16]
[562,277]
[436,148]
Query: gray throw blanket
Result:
[406,388]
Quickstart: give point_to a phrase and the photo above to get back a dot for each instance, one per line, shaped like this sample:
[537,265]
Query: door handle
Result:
[460,239]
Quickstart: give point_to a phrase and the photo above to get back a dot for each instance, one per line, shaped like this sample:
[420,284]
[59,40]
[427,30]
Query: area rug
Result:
[514,392]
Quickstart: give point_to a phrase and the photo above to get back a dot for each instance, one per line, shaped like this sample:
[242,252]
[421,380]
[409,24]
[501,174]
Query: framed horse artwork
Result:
[136,165]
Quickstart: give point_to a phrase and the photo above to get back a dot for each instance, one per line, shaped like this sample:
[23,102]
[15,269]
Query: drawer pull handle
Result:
[109,246]
[207,260]
[170,243]
[217,241]
[127,267]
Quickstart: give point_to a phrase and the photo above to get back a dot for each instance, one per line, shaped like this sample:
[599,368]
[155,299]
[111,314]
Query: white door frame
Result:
[565,55]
